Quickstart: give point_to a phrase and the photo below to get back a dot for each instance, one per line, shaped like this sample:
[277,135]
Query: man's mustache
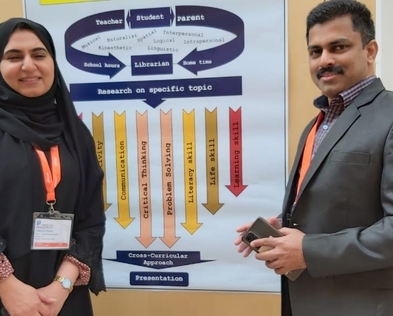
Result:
[337,70]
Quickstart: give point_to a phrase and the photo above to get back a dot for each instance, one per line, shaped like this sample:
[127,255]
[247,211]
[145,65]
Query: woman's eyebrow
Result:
[14,50]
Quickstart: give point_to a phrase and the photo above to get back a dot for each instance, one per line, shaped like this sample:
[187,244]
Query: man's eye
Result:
[340,47]
[314,53]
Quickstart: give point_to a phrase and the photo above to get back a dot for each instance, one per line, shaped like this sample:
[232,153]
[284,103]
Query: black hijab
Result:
[33,120]
[44,121]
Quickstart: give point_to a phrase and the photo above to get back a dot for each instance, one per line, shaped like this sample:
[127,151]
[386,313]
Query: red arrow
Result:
[236,152]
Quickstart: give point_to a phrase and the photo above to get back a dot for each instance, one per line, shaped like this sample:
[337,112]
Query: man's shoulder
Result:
[373,91]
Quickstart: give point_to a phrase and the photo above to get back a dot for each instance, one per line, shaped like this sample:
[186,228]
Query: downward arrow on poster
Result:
[124,218]
[145,208]
[236,152]
[190,174]
[168,181]
[99,138]
[159,259]
[154,101]
[155,92]
[212,171]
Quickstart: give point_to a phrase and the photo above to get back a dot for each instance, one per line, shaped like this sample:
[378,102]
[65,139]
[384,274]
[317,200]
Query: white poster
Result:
[186,103]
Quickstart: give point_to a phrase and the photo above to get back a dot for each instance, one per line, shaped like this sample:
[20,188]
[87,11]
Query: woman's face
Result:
[26,66]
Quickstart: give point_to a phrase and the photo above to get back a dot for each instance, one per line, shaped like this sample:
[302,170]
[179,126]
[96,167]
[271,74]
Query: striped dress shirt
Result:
[334,109]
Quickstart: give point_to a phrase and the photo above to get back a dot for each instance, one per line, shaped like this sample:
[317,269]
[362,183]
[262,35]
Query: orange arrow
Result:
[168,190]
[146,235]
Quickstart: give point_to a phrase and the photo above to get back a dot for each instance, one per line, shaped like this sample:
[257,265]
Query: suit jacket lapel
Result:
[343,123]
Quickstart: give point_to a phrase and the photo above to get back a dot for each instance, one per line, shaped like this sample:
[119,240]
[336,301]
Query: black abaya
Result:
[41,122]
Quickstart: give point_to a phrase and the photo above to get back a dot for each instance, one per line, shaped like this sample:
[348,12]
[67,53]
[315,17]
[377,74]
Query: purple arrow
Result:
[93,24]
[154,101]
[144,258]
[101,65]
[156,91]
[211,17]
[149,18]
[214,57]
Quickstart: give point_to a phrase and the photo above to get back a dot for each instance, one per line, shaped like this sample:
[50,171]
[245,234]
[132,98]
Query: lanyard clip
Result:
[51,208]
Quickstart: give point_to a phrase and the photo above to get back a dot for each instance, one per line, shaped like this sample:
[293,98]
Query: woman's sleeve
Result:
[89,221]
[6,268]
[84,270]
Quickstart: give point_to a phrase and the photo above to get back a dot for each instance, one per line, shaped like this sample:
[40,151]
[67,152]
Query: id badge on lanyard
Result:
[52,229]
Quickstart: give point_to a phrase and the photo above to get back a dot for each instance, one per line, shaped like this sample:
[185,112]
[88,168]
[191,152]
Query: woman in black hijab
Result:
[44,269]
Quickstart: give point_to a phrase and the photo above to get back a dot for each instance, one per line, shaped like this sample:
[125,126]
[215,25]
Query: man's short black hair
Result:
[329,10]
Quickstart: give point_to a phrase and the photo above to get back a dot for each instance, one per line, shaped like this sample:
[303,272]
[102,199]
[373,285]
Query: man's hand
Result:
[286,253]
[245,249]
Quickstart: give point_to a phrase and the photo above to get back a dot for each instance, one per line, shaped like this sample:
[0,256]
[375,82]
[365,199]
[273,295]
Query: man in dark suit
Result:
[337,217]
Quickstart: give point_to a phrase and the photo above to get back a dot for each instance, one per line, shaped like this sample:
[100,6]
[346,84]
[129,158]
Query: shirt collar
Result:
[345,97]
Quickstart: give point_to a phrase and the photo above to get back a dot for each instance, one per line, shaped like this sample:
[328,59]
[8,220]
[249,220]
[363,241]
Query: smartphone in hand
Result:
[261,228]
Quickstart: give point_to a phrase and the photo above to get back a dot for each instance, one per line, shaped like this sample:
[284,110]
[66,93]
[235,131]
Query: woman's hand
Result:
[20,299]
[56,291]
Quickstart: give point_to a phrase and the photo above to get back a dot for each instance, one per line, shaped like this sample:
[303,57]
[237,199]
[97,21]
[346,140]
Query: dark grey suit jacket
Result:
[345,207]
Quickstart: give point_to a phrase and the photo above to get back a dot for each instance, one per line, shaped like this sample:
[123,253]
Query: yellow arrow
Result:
[168,184]
[145,212]
[124,219]
[212,171]
[98,135]
[190,175]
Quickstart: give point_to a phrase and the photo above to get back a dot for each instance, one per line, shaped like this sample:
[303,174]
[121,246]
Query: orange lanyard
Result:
[307,152]
[51,177]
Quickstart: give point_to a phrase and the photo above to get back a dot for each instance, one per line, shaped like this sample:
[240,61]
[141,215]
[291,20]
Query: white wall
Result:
[384,26]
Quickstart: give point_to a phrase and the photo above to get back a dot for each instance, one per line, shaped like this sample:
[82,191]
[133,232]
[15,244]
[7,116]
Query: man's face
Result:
[337,58]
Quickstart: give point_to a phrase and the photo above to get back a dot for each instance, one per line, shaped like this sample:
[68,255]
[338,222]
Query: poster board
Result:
[186,103]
